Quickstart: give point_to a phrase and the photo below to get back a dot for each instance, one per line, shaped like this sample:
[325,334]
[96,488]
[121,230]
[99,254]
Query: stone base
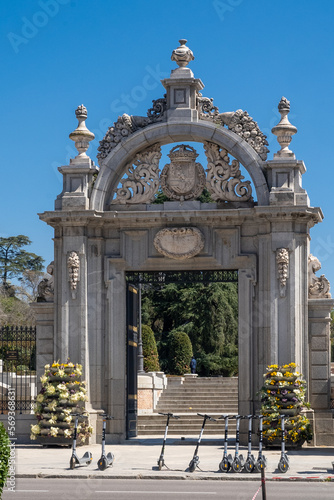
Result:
[324,428]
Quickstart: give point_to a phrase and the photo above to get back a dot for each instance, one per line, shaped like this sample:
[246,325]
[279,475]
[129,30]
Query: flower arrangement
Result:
[62,395]
[283,393]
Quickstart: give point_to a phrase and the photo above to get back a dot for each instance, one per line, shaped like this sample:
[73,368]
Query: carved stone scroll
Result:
[142,181]
[318,287]
[73,266]
[179,242]
[224,180]
[282,260]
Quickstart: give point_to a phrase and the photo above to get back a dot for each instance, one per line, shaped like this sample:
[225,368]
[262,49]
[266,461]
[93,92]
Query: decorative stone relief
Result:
[318,288]
[238,122]
[73,266]
[45,288]
[224,180]
[142,182]
[127,125]
[179,242]
[282,260]
[182,178]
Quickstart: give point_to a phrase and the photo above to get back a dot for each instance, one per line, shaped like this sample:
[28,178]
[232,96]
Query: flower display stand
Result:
[62,395]
[283,393]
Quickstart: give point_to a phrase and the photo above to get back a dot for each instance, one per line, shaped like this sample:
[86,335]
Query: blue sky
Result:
[110,56]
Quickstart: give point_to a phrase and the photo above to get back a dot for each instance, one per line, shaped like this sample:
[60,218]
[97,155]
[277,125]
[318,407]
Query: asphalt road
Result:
[134,489]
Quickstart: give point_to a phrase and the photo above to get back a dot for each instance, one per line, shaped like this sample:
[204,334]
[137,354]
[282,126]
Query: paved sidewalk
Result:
[137,458]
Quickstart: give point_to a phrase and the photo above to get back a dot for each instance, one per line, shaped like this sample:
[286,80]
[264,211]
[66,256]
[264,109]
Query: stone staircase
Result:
[187,396]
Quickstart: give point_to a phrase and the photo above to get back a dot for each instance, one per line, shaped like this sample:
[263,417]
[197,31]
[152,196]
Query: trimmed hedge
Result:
[4,456]
[150,351]
[180,352]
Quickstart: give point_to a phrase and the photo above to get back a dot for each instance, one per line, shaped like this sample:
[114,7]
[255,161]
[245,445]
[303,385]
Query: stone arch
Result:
[113,166]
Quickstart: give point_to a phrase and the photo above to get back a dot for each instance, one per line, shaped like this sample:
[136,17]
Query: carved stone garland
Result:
[224,180]
[142,181]
[127,125]
[282,260]
[73,265]
[238,122]
[318,287]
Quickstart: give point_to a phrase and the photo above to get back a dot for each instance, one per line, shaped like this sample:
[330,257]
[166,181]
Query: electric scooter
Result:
[105,460]
[195,460]
[75,460]
[261,462]
[161,460]
[226,462]
[238,461]
[283,464]
[250,459]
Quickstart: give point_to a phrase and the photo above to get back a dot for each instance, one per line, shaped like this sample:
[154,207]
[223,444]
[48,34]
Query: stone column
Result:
[114,359]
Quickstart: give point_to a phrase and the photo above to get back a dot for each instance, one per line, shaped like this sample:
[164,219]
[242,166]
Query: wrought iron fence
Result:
[17,367]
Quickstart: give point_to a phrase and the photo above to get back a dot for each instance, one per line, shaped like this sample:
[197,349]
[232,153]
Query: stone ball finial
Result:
[284,130]
[182,55]
[81,135]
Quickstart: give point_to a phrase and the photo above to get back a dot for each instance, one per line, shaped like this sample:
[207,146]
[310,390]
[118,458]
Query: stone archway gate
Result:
[106,225]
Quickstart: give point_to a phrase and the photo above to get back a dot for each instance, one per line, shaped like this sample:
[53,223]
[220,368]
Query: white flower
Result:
[54,431]
[61,372]
[35,429]
[67,433]
[33,437]
[63,394]
[68,419]
[53,419]
[40,398]
[52,405]
[50,390]
[44,379]
[47,367]
[61,387]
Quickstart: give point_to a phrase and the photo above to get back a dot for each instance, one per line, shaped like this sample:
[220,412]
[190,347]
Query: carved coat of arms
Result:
[182,178]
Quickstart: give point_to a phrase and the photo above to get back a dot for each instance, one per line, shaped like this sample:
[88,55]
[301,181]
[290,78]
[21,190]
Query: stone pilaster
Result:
[44,313]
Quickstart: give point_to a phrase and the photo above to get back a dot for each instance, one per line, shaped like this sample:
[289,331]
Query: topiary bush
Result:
[4,456]
[150,351]
[180,352]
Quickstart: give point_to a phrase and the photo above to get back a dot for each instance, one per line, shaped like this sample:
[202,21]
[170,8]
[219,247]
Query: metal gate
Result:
[17,367]
[132,342]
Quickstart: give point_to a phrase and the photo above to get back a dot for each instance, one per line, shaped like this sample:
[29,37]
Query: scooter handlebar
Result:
[106,416]
[169,415]
[207,417]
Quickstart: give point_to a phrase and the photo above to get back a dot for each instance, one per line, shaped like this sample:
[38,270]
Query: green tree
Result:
[150,351]
[14,260]
[4,456]
[208,313]
[179,353]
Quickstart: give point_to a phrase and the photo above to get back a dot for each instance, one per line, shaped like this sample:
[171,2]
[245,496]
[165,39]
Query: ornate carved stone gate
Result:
[106,225]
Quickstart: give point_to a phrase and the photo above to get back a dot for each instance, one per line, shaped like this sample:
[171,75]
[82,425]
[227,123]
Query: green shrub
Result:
[4,456]
[150,351]
[179,353]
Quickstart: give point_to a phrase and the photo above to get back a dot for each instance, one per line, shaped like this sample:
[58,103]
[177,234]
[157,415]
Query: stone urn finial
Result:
[284,130]
[182,55]
[81,135]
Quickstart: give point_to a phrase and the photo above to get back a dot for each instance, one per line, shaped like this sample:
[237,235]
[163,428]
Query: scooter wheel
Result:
[102,463]
[224,465]
[160,464]
[236,465]
[72,463]
[249,466]
[283,465]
